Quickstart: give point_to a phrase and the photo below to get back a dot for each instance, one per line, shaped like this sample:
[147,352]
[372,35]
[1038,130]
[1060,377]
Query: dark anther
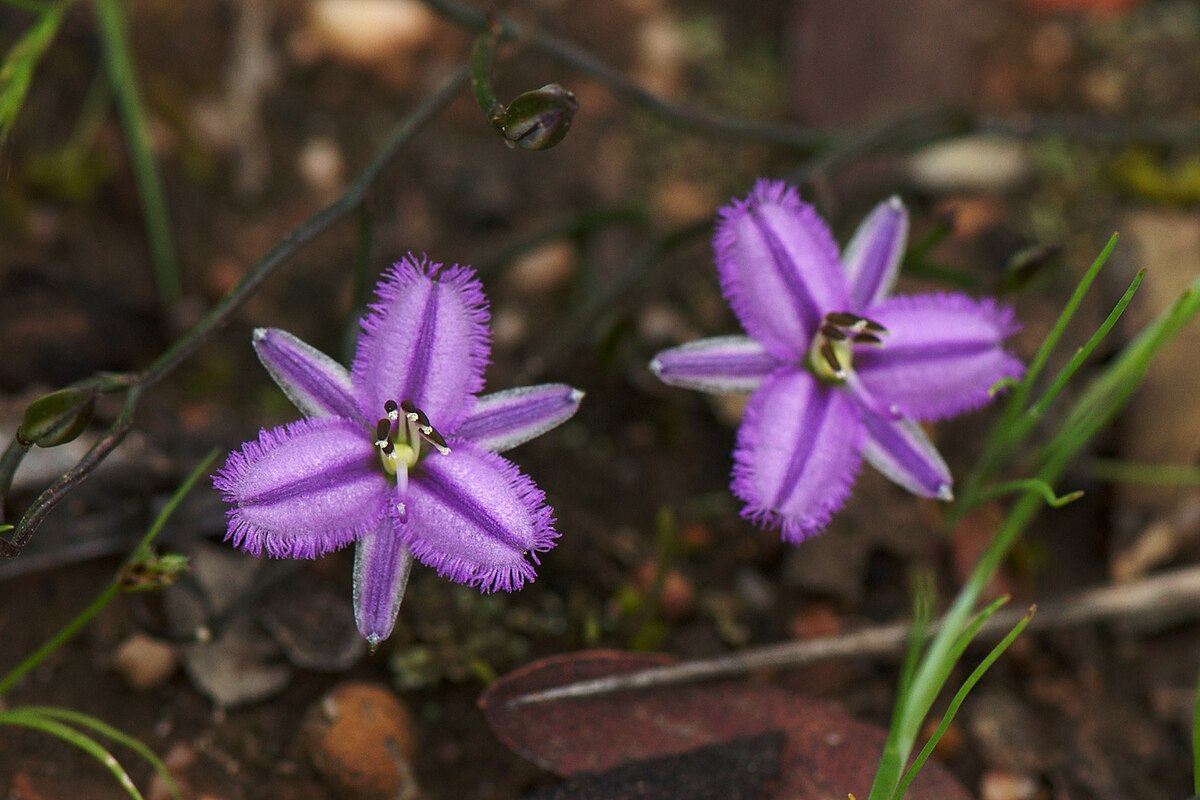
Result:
[874,327]
[390,407]
[383,430]
[833,332]
[844,319]
[388,448]
[867,338]
[831,358]
[416,415]
[434,437]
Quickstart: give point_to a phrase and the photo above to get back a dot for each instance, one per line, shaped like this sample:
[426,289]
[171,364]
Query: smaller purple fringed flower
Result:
[399,455]
[838,369]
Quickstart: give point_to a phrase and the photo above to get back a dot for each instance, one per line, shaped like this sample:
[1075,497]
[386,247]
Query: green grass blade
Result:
[119,65]
[956,703]
[16,72]
[27,719]
[1039,487]
[1113,470]
[109,732]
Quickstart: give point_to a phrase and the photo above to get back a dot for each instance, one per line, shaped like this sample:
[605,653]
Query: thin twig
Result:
[190,342]
[1174,595]
[572,55]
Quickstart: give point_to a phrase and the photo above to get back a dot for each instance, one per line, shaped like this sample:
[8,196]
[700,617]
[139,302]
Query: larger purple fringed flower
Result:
[838,369]
[399,455]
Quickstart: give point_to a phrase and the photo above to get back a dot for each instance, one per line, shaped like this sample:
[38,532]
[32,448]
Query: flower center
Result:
[398,438]
[832,351]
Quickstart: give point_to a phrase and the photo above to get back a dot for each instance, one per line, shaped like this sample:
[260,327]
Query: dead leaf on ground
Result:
[828,753]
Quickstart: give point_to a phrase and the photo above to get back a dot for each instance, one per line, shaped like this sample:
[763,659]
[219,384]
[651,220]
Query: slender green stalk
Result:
[482,54]
[1114,471]
[1196,742]
[73,627]
[998,445]
[956,703]
[27,719]
[119,64]
[108,731]
[1031,485]
[16,71]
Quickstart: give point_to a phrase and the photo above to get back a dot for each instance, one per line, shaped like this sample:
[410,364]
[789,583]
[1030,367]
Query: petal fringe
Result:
[303,490]
[797,454]
[425,339]
[779,268]
[473,517]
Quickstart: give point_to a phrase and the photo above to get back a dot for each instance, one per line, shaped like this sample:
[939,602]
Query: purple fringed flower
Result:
[399,455]
[839,370]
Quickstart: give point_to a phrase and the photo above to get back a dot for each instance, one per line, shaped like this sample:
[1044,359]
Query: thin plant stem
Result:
[956,703]
[1115,471]
[570,54]
[1196,742]
[219,314]
[108,731]
[27,719]
[119,64]
[111,591]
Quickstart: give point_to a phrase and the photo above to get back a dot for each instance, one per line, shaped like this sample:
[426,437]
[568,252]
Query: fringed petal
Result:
[797,454]
[502,420]
[779,267]
[903,453]
[381,567]
[872,258]
[303,490]
[721,365]
[425,340]
[318,385]
[940,356]
[474,517]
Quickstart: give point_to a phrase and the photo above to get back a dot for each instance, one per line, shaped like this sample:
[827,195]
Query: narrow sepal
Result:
[797,454]
[381,567]
[474,517]
[779,267]
[903,453]
[318,385]
[940,356]
[872,258]
[426,340]
[502,420]
[303,490]
[721,365]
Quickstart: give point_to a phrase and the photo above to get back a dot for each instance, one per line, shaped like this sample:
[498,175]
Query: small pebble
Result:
[1000,785]
[543,269]
[361,740]
[145,662]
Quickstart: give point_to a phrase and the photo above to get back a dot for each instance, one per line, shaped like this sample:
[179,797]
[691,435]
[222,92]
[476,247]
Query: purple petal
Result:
[941,355]
[722,365]
[502,420]
[303,490]
[779,267]
[381,567]
[872,258]
[426,340]
[473,517]
[797,454]
[903,453]
[318,385]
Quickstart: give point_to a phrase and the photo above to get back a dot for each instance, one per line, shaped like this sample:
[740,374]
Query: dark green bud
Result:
[150,572]
[540,119]
[58,417]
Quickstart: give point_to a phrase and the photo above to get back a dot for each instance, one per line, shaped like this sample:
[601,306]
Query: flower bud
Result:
[149,572]
[58,417]
[540,119]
